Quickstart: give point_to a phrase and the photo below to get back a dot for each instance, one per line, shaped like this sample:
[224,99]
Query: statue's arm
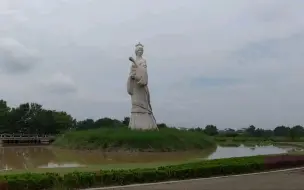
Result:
[132,73]
[130,81]
[142,74]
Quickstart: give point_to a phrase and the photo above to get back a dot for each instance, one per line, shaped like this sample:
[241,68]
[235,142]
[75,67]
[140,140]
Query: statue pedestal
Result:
[142,121]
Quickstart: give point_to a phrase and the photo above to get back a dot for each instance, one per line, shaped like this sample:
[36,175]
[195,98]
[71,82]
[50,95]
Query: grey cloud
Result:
[273,48]
[15,57]
[206,82]
[59,83]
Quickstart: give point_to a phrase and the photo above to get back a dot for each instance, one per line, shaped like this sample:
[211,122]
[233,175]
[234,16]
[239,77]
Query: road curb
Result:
[189,180]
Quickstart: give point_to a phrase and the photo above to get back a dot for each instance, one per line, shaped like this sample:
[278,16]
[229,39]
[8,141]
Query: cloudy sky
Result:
[228,63]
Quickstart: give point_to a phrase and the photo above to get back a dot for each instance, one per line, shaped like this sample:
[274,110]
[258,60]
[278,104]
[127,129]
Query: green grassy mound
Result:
[209,168]
[121,139]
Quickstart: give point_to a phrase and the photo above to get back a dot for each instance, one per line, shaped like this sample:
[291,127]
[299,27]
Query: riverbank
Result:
[242,139]
[124,139]
[258,141]
[198,169]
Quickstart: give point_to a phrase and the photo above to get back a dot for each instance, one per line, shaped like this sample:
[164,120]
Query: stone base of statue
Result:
[142,121]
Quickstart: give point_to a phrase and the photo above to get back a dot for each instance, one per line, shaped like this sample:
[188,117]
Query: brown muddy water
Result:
[30,157]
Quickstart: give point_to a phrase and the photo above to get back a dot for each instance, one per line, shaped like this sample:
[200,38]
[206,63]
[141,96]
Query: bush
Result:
[209,168]
[167,139]
[283,161]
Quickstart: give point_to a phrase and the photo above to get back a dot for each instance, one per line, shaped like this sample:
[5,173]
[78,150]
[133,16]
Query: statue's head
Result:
[139,49]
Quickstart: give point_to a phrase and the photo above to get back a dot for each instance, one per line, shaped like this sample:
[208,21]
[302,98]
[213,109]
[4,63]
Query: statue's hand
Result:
[133,62]
[132,59]
[141,82]
[133,73]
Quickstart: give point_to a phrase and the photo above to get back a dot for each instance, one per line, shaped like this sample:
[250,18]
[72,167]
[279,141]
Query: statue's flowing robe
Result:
[141,113]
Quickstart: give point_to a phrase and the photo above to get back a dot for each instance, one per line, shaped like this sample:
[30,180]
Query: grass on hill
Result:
[124,139]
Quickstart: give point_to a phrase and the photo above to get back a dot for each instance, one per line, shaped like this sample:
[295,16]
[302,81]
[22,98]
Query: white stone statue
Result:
[141,113]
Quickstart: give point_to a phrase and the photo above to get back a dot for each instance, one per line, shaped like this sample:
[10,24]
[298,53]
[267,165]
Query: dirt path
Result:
[285,180]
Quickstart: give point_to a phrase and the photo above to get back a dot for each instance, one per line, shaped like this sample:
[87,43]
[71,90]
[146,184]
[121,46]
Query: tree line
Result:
[252,131]
[32,118]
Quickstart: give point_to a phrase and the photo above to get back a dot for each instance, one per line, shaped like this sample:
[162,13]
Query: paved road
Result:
[286,180]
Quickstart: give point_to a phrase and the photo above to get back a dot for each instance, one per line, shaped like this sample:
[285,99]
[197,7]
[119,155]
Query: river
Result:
[30,157]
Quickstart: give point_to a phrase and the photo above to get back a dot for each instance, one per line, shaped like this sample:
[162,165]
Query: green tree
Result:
[250,130]
[230,132]
[162,125]
[108,122]
[31,118]
[281,131]
[296,131]
[211,130]
[4,114]
[85,124]
[126,121]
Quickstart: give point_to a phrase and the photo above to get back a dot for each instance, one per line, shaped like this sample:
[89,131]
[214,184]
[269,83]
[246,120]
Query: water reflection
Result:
[226,152]
[65,165]
[48,157]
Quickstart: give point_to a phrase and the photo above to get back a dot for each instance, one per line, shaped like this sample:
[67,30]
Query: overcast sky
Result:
[229,63]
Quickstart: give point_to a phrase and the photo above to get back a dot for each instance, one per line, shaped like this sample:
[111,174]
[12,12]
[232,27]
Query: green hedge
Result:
[209,168]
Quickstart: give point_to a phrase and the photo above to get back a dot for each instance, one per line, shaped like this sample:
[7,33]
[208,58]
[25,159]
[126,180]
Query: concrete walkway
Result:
[291,179]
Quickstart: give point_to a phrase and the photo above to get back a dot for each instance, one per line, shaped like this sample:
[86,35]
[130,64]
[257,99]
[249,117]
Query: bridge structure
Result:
[28,139]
